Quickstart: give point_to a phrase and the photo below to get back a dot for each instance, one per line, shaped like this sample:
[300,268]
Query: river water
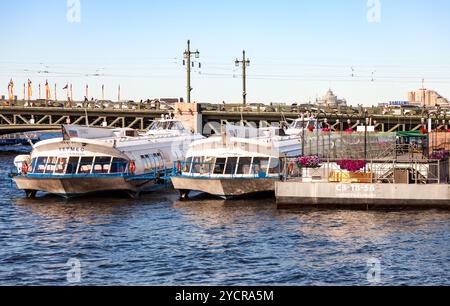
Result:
[158,240]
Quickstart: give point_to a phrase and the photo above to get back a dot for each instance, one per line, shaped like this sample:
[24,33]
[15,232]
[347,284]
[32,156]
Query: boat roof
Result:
[235,146]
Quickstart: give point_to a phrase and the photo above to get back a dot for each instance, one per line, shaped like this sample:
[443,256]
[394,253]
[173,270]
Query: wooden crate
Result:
[349,178]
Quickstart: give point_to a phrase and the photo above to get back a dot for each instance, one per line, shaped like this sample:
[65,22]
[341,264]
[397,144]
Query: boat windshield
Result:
[298,124]
[86,165]
[167,125]
[232,166]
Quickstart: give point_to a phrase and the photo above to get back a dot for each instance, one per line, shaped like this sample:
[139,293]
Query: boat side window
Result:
[33,164]
[131,133]
[160,158]
[118,165]
[274,166]
[151,162]
[61,165]
[146,162]
[72,166]
[244,166]
[178,126]
[260,164]
[208,165]
[157,161]
[51,165]
[102,165]
[40,165]
[188,164]
[231,165]
[85,165]
[197,164]
[219,167]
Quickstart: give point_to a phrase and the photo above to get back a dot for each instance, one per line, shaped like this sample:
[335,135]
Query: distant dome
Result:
[330,93]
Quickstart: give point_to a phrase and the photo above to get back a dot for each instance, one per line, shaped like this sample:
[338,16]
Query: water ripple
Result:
[158,240]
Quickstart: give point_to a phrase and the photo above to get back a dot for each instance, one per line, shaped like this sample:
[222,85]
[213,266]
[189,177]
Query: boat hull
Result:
[76,187]
[224,188]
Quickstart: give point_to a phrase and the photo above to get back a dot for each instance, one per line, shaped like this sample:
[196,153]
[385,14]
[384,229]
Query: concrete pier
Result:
[364,196]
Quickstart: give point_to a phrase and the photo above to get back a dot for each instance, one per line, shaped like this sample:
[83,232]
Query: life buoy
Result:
[132,167]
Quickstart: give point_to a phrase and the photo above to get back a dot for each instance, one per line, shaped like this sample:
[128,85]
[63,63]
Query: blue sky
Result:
[298,48]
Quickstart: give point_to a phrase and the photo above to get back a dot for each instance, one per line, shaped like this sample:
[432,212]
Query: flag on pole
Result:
[30,90]
[48,94]
[11,90]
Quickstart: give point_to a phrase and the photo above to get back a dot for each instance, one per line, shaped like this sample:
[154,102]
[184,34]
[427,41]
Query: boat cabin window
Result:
[119,165]
[208,166]
[72,166]
[102,165]
[187,165]
[51,165]
[146,162]
[131,133]
[33,164]
[159,161]
[300,124]
[230,169]
[61,166]
[245,165]
[219,167]
[85,165]
[167,125]
[260,164]
[297,125]
[197,164]
[40,165]
[274,166]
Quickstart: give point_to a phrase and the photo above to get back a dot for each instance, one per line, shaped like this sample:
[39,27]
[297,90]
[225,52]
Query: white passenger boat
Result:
[241,162]
[298,126]
[92,160]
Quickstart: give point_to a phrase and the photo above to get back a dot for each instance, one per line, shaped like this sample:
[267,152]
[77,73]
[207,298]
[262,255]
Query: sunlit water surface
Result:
[158,240]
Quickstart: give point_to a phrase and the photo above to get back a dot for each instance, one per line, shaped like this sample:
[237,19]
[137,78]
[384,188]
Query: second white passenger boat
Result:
[241,162]
[92,160]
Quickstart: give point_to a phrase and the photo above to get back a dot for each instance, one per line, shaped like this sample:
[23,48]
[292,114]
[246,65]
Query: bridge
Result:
[208,118]
[27,119]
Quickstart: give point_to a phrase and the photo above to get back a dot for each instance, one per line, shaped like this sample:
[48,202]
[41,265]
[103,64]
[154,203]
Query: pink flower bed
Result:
[308,162]
[352,165]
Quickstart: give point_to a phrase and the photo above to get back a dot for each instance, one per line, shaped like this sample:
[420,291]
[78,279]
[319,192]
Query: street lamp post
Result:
[188,54]
[245,63]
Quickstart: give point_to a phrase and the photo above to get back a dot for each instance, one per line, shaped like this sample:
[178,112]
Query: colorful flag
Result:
[48,94]
[30,90]
[11,90]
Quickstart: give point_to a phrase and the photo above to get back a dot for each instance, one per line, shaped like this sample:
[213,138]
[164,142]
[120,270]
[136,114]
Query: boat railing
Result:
[227,170]
[375,172]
